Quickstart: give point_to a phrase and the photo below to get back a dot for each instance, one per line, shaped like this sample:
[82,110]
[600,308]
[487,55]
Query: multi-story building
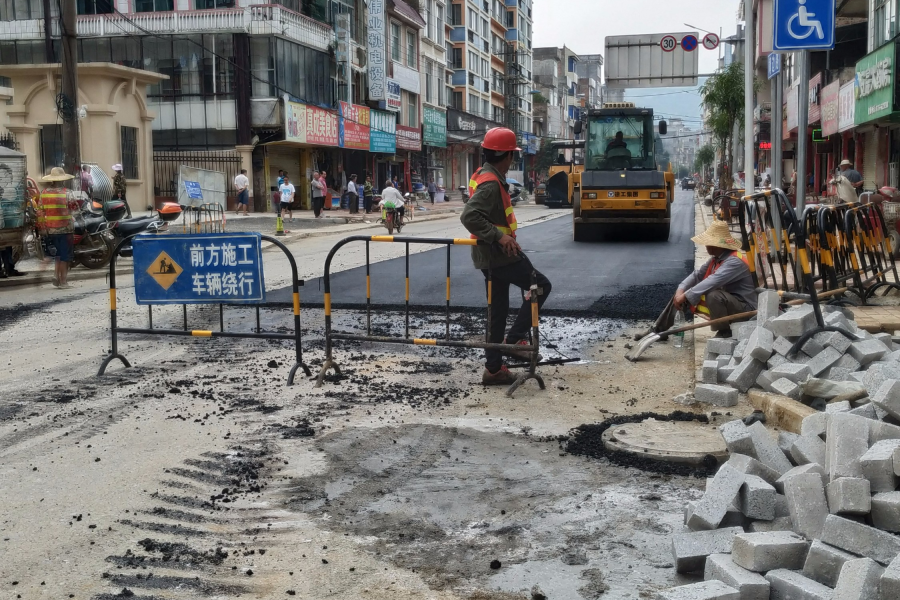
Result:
[558,68]
[215,72]
[434,72]
[590,80]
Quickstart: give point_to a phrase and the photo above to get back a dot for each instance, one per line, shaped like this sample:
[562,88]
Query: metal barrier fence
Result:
[331,336]
[167,163]
[116,330]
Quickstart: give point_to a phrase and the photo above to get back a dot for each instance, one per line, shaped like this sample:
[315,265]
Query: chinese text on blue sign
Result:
[774,64]
[804,24]
[193,190]
[199,269]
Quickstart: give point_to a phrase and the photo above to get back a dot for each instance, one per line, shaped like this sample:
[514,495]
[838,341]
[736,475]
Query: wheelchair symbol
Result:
[804,18]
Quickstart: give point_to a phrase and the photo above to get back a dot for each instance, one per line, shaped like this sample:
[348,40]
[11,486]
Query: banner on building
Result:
[434,127]
[829,99]
[409,138]
[393,99]
[383,133]
[307,124]
[793,112]
[847,106]
[376,63]
[354,132]
[875,85]
[815,108]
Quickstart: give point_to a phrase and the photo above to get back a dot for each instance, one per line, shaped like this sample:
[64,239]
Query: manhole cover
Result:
[675,441]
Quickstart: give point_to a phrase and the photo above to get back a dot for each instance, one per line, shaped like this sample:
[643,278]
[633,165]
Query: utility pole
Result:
[749,53]
[68,104]
[50,55]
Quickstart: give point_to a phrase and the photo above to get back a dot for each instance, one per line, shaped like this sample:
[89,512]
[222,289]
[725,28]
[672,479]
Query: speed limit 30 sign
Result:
[668,43]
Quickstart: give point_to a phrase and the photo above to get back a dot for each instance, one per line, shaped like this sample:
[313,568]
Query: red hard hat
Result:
[500,139]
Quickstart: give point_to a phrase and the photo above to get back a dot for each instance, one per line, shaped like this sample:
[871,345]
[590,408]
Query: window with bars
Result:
[202,4]
[51,147]
[395,42]
[154,5]
[456,14]
[885,21]
[429,80]
[456,100]
[129,140]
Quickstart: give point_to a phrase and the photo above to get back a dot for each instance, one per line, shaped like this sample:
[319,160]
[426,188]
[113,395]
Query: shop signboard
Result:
[407,78]
[847,106]
[383,134]
[409,138]
[829,98]
[875,85]
[307,124]
[815,109]
[393,99]
[434,128]
[375,42]
[354,127]
[793,112]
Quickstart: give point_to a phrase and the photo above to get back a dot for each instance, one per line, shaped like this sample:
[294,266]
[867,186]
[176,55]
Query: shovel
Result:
[649,339]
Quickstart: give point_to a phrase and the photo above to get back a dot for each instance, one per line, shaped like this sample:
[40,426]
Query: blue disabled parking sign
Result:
[804,24]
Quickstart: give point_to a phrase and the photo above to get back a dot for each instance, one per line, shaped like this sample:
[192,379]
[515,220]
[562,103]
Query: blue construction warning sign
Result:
[209,268]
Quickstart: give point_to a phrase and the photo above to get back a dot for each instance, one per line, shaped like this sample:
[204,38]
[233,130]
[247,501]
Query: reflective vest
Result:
[712,268]
[53,210]
[479,177]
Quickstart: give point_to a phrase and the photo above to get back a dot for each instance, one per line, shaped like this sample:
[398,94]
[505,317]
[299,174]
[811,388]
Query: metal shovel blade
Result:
[646,342]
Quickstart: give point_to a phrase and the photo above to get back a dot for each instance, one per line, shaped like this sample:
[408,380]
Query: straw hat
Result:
[57,174]
[846,163]
[717,235]
[117,167]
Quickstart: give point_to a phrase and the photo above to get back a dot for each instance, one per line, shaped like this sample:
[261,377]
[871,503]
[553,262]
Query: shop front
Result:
[434,140]
[464,135]
[354,140]
[409,148]
[876,114]
[382,146]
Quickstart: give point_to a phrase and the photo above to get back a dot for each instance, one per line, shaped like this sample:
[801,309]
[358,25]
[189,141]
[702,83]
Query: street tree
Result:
[705,157]
[723,98]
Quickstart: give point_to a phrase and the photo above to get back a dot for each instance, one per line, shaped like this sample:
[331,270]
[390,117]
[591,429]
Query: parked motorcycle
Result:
[93,240]
[129,228]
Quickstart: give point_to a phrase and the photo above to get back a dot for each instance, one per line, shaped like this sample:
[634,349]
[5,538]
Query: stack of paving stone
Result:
[809,516]
[759,356]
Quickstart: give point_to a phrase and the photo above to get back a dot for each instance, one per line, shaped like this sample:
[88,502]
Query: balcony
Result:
[512,35]
[267,19]
[511,2]
[458,34]
[459,77]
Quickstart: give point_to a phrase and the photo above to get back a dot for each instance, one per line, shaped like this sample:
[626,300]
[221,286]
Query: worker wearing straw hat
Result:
[723,285]
[55,224]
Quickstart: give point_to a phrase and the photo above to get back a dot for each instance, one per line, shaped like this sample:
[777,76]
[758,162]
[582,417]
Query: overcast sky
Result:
[583,25]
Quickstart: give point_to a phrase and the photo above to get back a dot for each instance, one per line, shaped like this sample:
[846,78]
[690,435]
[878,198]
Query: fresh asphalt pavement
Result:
[619,277]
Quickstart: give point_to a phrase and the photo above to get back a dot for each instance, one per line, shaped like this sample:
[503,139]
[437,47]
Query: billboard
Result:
[307,124]
[383,134]
[830,108]
[354,127]
[639,61]
[376,60]
[409,138]
[875,85]
[847,106]
[434,127]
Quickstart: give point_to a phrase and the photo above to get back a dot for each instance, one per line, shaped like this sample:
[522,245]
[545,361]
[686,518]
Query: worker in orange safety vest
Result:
[723,285]
[55,224]
[489,216]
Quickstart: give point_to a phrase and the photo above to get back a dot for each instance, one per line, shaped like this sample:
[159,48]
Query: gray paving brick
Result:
[837,319]
[867,351]
[794,372]
[849,496]
[776,524]
[833,339]
[808,449]
[801,470]
[877,373]
[812,346]
[879,430]
[782,345]
[725,372]
[776,360]
[837,373]
[710,372]
[887,398]
[744,375]
[722,360]
[824,562]
[750,585]
[785,387]
[759,345]
[704,590]
[756,499]
[836,407]
[866,411]
[886,511]
[690,550]
[790,585]
[890,581]
[878,465]
[815,424]
[861,539]
[720,346]
[794,323]
[748,465]
[767,450]
[720,493]
[848,362]
[760,552]
[742,331]
[767,306]
[717,395]
[737,438]
[807,504]
[786,440]
[845,443]
[859,580]
[823,360]
[764,381]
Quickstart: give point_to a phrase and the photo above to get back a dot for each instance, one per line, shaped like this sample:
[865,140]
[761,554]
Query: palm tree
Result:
[723,98]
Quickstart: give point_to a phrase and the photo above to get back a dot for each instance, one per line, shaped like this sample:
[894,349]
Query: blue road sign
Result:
[193,190]
[208,268]
[689,43]
[774,64]
[804,24]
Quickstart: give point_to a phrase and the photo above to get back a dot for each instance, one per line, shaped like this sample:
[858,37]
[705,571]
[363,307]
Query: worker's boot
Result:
[520,354]
[501,377]
[723,333]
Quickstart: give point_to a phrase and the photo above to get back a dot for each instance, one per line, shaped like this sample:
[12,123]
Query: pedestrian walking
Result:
[368,195]
[318,194]
[87,181]
[242,186]
[120,189]
[54,222]
[353,195]
[276,198]
[432,189]
[852,175]
[280,177]
[489,216]
[287,197]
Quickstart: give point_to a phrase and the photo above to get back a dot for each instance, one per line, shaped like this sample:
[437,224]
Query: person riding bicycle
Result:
[392,198]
